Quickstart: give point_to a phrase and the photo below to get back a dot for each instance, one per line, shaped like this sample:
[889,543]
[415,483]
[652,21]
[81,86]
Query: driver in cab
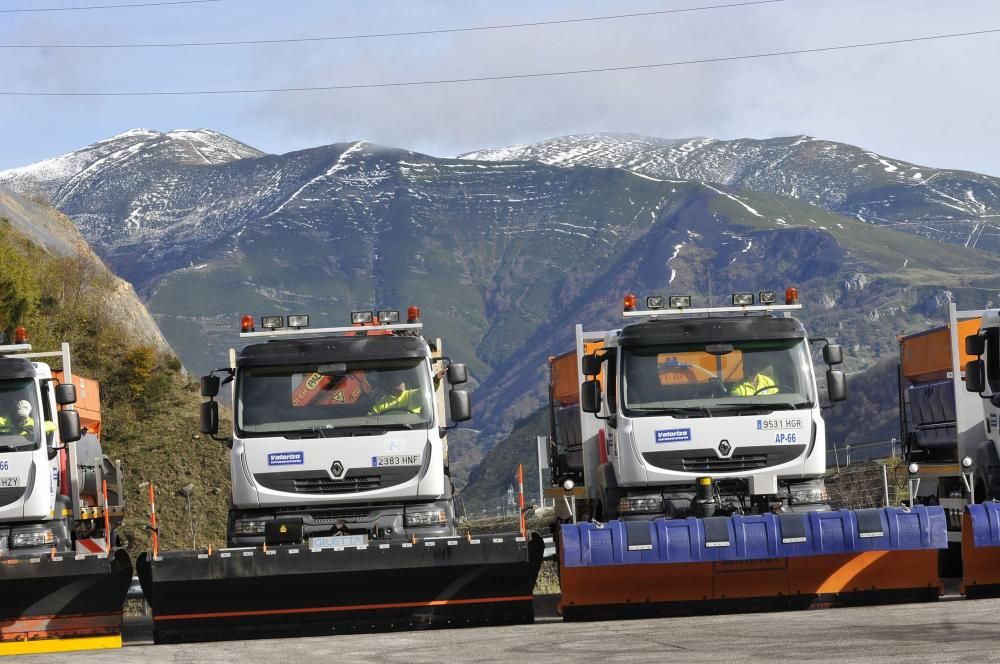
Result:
[755,382]
[398,397]
[20,421]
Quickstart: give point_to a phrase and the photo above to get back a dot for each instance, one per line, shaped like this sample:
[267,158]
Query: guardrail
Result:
[845,454]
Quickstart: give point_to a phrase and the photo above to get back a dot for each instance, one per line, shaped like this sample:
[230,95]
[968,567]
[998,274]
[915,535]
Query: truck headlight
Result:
[250,527]
[431,517]
[31,538]
[810,495]
[640,504]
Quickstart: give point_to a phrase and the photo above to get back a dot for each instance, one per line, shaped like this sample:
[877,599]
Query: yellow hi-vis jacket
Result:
[406,400]
[748,387]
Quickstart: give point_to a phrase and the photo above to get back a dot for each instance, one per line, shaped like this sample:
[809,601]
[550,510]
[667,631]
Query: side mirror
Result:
[69,426]
[461,406]
[833,354]
[975,376]
[591,365]
[458,374]
[590,396]
[836,385]
[65,394]
[975,345]
[210,386]
[210,417]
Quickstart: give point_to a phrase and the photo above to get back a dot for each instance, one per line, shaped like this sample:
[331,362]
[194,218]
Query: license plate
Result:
[778,423]
[9,483]
[396,460]
[337,540]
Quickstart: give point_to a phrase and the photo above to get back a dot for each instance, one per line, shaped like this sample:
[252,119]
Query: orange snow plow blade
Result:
[626,569]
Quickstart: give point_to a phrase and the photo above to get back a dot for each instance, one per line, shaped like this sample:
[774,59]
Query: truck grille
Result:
[695,461]
[320,482]
[346,485]
[716,465]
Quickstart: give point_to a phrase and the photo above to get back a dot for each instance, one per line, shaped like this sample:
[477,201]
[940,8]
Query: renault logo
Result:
[725,448]
[337,469]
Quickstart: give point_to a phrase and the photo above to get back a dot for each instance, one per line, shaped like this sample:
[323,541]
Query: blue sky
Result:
[933,103]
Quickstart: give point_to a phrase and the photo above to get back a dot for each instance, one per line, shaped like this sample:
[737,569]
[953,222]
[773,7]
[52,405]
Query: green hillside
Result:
[149,405]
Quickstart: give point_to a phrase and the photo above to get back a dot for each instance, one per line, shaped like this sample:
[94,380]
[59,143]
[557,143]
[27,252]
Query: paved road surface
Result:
[946,631]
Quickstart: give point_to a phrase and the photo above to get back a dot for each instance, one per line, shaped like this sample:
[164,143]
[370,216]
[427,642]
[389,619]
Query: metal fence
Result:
[846,454]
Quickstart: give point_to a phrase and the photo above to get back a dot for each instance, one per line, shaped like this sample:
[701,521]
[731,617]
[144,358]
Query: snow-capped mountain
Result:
[959,207]
[57,179]
[503,256]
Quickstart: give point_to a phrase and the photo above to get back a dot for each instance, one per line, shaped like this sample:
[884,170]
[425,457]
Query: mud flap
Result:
[293,591]
[981,551]
[766,562]
[69,602]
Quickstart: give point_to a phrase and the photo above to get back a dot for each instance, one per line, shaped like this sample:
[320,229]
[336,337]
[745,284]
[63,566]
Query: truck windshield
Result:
[344,398]
[688,380]
[20,423]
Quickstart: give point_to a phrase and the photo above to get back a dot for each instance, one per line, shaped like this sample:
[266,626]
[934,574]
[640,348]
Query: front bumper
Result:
[382,523]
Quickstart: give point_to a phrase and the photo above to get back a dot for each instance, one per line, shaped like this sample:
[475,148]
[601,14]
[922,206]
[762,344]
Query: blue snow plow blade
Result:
[761,562]
[981,551]
[756,537]
[985,524]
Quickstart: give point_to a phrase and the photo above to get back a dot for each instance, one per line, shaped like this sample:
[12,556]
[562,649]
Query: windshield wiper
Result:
[704,411]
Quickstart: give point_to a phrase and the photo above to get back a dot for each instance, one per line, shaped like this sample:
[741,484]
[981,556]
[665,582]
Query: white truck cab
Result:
[339,433]
[50,472]
[698,411]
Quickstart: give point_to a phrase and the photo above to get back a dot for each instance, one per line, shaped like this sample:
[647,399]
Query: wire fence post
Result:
[885,483]
[847,449]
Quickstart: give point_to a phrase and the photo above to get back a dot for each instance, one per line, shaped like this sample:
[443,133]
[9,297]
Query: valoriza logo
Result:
[285,458]
[673,435]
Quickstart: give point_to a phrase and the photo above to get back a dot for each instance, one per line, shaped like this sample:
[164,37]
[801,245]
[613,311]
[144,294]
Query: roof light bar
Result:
[654,302]
[767,297]
[298,321]
[680,301]
[388,317]
[272,322]
[361,317]
[742,299]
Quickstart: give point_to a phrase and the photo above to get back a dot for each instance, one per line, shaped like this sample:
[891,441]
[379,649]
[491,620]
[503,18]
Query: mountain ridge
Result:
[503,257]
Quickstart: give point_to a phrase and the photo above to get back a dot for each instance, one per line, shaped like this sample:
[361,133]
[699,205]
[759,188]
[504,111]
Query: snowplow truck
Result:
[688,455]
[62,577]
[342,513]
[950,378]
